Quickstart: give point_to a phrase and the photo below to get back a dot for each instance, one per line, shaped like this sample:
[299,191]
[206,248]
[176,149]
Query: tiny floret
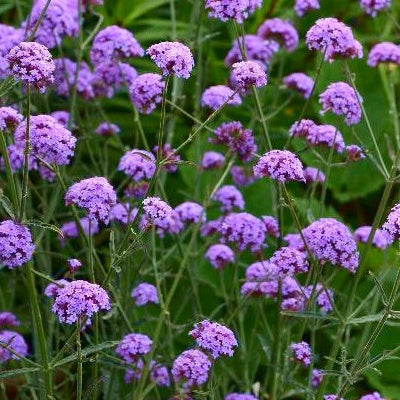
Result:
[372,396]
[157,211]
[73,265]
[313,175]
[145,293]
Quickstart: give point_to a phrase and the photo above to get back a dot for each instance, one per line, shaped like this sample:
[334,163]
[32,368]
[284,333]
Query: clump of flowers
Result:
[16,246]
[242,176]
[342,99]
[229,197]
[316,378]
[133,346]
[303,6]
[169,156]
[212,159]
[9,118]
[289,261]
[240,396]
[107,129]
[324,297]
[172,58]
[271,225]
[191,212]
[391,227]
[379,239]
[95,195]
[372,7]
[281,165]
[313,175]
[220,255]
[123,213]
[71,230]
[31,63]
[62,117]
[299,82]
[157,211]
[80,299]
[281,30]
[246,74]
[15,342]
[73,265]
[385,52]
[9,319]
[216,96]
[9,37]
[301,352]
[138,164]
[145,293]
[372,396]
[225,10]
[52,289]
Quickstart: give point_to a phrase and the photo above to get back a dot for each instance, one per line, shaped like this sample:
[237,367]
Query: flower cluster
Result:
[280,30]
[220,255]
[301,352]
[384,52]
[138,164]
[303,6]
[300,83]
[145,293]
[229,197]
[225,10]
[372,7]
[216,96]
[13,341]
[246,74]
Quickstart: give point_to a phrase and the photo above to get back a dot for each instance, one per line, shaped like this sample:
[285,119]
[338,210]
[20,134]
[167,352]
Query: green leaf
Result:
[143,8]
[19,371]
[7,205]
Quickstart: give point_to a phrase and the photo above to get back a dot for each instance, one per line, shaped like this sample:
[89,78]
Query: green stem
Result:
[276,350]
[78,361]
[162,120]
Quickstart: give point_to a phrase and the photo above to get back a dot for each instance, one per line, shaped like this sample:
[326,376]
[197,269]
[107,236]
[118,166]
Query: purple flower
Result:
[323,297]
[190,212]
[333,38]
[372,7]
[49,140]
[70,230]
[214,338]
[391,227]
[158,373]
[332,397]
[113,44]
[32,63]
[95,195]
[65,77]
[146,92]
[138,164]
[122,213]
[8,319]
[170,155]
[73,265]
[133,346]
[331,241]
[191,367]
[289,261]
[212,159]
[13,341]
[80,299]
[385,52]
[225,10]
[257,49]
[219,256]
[301,352]
[238,139]
[16,246]
[316,378]
[52,289]
[281,30]
[171,224]
[216,96]
[355,153]
[145,293]
[244,230]
[157,211]
[372,396]
[302,6]
[379,240]
[300,83]
[240,396]
[172,58]
[262,271]
[271,225]
[229,197]
[242,176]
[295,241]
[136,190]
[248,73]
[59,20]
[281,165]
[342,99]
[9,118]
[9,37]
[62,117]
[313,175]
[107,129]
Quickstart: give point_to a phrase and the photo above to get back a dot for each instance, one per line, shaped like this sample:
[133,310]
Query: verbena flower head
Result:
[242,176]
[9,319]
[372,396]
[214,338]
[65,77]
[281,30]
[332,397]
[216,96]
[229,197]
[171,224]
[58,21]
[313,175]
[219,256]
[107,129]
[70,230]
[341,99]
[52,289]
[281,165]
[73,265]
[300,83]
[334,39]
[191,212]
[16,246]
[379,240]
[31,63]
[385,52]
[9,37]
[243,230]
[114,43]
[295,241]
[9,118]
[133,346]
[289,261]
[240,396]
[316,378]
[145,293]
[238,139]
[372,7]
[123,213]
[224,10]
[257,49]
[191,368]
[62,117]
[301,352]
[138,164]
[331,241]
[170,155]
[146,92]
[95,195]
[158,373]
[15,342]
[324,297]
[271,225]
[391,227]
[157,211]
[80,299]
[247,74]
[173,58]
[302,6]
[49,140]
[212,159]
